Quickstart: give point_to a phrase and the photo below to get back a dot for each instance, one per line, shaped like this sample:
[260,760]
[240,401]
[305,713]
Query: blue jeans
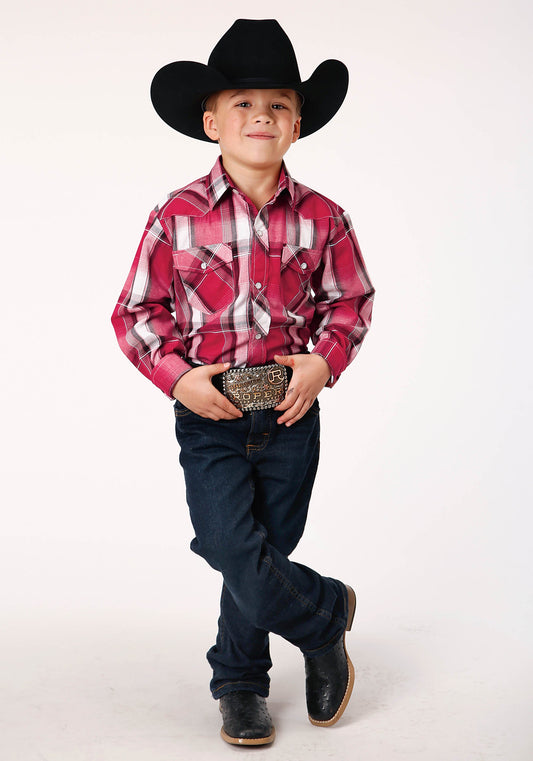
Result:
[248,484]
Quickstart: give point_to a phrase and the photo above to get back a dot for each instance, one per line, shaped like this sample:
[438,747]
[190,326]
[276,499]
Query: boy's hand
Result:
[195,390]
[310,373]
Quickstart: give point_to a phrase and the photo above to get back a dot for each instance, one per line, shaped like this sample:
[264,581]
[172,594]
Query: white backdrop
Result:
[423,500]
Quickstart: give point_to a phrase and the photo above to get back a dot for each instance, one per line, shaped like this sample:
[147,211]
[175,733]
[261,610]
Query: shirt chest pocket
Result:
[206,273]
[297,267]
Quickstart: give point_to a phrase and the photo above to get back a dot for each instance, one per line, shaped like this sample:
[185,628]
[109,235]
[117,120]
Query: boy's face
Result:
[254,128]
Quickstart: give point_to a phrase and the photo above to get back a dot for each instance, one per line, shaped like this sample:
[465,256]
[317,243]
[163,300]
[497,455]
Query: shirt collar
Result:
[218,183]
[286,182]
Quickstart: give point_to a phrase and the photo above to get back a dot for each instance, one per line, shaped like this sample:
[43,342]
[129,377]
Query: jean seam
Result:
[251,448]
[222,627]
[298,596]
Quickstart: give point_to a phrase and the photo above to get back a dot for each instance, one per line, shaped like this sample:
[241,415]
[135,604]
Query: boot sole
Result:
[247,740]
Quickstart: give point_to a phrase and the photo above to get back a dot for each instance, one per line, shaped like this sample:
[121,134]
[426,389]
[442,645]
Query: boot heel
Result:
[351,607]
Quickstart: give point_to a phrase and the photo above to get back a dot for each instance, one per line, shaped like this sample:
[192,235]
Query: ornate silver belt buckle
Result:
[255,388]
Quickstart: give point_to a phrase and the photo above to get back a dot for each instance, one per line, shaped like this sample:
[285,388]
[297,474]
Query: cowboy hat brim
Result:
[179,89]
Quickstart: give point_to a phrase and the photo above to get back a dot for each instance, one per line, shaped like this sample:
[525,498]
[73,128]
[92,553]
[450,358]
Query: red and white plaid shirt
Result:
[213,280]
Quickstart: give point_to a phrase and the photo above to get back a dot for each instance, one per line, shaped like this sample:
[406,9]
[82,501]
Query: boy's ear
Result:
[296,129]
[210,125]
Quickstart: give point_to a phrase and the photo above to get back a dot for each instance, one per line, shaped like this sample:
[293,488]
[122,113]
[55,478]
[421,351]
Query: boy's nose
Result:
[262,113]
[262,116]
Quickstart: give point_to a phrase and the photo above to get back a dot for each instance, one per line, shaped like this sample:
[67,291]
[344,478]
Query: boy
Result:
[240,269]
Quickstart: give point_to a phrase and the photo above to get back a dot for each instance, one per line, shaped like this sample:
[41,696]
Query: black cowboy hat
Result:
[252,54]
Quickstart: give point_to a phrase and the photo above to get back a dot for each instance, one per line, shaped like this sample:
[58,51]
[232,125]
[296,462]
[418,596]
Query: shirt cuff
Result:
[168,371]
[334,356]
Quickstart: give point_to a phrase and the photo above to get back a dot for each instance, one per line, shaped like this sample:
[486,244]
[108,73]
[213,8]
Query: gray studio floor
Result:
[132,688]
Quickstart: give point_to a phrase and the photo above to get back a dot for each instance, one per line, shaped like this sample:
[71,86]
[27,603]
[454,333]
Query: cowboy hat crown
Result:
[251,54]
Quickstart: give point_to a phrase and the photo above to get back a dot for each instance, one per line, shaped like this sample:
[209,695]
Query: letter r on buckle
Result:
[275,375]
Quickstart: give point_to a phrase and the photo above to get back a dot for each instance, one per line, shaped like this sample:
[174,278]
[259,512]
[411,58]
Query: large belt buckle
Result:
[255,388]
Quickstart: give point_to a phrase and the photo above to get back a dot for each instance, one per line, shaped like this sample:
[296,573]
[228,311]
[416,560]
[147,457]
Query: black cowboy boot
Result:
[330,678]
[246,720]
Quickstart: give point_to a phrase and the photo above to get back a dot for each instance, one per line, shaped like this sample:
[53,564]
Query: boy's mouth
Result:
[261,135]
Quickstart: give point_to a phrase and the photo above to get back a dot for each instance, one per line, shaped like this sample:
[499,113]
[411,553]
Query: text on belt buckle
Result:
[255,388]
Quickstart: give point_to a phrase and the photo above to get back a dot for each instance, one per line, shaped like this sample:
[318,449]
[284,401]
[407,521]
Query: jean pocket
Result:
[180,410]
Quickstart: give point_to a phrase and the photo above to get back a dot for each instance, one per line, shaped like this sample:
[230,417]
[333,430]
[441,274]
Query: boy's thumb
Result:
[219,367]
[282,359]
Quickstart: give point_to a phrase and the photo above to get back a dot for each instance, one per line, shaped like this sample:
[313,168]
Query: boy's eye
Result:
[246,104]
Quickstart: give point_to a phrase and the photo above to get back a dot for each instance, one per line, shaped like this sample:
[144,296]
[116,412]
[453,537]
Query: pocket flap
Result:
[304,260]
[204,257]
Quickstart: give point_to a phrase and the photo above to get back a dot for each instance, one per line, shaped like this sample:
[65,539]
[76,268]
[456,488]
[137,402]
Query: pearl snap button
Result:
[259,233]
[258,285]
[304,265]
[257,336]
[203,265]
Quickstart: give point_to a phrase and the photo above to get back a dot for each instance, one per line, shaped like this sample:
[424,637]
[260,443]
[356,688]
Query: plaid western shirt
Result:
[213,280]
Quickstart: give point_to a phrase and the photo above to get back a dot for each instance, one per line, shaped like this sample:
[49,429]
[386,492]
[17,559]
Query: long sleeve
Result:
[344,299]
[145,327]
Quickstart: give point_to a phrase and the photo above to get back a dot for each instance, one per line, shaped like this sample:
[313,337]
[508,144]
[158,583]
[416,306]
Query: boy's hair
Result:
[210,103]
